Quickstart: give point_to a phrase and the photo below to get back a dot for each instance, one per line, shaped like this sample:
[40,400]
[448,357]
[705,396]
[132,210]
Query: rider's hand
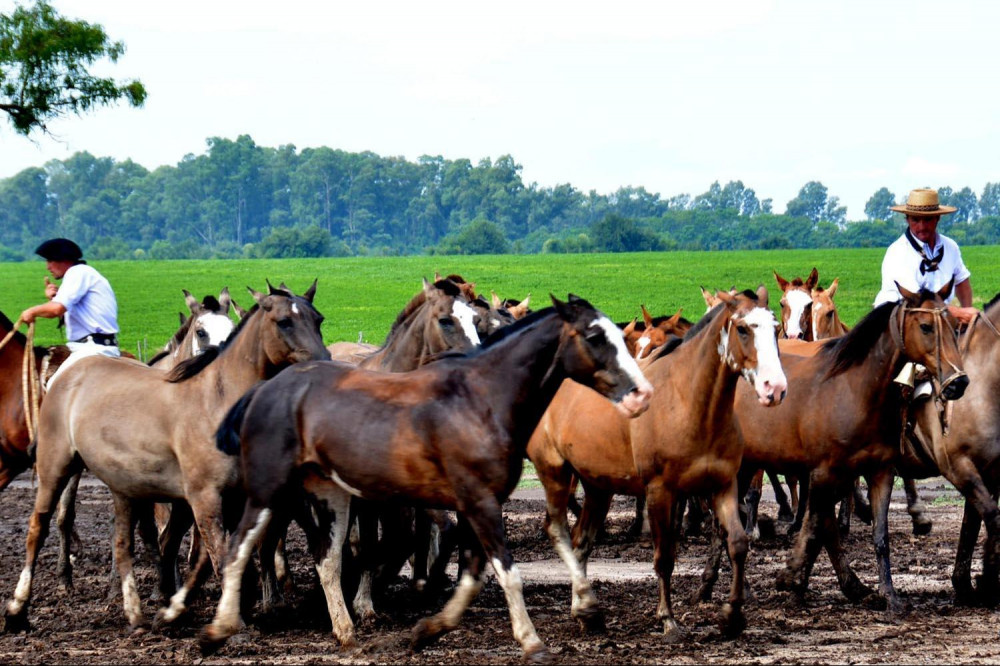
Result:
[50,288]
[963,315]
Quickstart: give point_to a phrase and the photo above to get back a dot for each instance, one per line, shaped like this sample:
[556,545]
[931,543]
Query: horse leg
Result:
[271,594]
[847,504]
[53,476]
[65,519]
[180,521]
[639,522]
[368,517]
[438,578]
[752,502]
[801,507]
[710,574]
[486,522]
[862,507]
[660,501]
[177,521]
[423,528]
[785,512]
[227,615]
[795,575]
[984,503]
[572,502]
[585,607]
[880,488]
[124,555]
[726,506]
[961,575]
[793,493]
[921,523]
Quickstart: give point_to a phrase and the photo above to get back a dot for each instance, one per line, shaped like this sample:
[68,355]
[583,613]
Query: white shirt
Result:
[89,301]
[902,264]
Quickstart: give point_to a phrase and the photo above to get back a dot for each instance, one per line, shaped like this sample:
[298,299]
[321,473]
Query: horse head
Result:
[825,319]
[289,326]
[749,343]
[926,334]
[593,353]
[447,321]
[209,323]
[796,306]
[655,332]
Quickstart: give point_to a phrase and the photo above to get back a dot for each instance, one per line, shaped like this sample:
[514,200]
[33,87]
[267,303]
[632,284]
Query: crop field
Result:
[362,296]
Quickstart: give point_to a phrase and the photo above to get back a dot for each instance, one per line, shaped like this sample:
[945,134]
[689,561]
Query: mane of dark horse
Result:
[7,325]
[194,365]
[992,302]
[853,348]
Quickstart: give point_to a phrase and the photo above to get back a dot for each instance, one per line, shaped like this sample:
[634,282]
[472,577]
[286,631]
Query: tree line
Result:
[238,199]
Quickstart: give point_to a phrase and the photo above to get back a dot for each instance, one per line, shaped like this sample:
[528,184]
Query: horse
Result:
[208,325]
[963,445]
[451,434]
[120,420]
[437,319]
[668,452]
[826,321]
[796,306]
[856,432]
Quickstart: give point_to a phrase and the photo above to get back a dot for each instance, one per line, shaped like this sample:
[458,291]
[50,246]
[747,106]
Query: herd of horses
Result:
[369,449]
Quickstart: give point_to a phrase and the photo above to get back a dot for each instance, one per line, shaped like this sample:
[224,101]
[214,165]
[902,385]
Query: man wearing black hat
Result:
[84,297]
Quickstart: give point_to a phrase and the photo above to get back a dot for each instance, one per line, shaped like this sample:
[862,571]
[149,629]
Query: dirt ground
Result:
[86,627]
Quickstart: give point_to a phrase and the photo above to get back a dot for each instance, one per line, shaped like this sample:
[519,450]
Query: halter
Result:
[898,316]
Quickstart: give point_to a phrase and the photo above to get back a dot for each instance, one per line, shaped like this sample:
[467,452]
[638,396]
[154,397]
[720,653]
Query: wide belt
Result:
[106,339]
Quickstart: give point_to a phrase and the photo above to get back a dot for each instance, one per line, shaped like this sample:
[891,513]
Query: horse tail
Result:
[227,437]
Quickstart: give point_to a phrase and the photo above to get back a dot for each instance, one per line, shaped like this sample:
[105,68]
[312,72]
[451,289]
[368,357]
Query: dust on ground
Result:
[85,627]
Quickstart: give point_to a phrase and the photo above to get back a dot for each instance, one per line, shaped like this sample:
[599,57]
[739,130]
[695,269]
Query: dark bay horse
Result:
[451,434]
[122,421]
[856,430]
[673,446]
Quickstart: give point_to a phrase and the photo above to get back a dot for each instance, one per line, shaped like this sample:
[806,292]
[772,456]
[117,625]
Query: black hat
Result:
[59,249]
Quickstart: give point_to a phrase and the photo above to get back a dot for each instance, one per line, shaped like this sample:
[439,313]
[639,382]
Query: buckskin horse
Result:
[451,434]
[669,452]
[120,420]
[857,430]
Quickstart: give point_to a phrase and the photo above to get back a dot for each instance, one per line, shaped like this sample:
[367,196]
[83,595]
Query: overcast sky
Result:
[662,94]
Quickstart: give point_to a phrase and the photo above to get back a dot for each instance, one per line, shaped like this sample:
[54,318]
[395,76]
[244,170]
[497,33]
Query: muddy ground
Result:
[85,627]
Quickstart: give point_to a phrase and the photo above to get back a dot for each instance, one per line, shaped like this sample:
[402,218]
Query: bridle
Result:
[898,317]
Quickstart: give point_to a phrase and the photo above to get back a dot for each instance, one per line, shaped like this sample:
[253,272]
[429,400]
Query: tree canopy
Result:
[45,62]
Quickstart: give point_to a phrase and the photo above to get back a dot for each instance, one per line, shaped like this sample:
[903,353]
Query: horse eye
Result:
[286,323]
[742,330]
[446,321]
[926,328]
[595,336]
[201,334]
[829,315]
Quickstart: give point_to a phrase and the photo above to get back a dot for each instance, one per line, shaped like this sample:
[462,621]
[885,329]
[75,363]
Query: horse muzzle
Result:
[635,402]
[954,388]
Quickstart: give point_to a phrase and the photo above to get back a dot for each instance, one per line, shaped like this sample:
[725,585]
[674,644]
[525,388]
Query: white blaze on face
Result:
[640,345]
[797,303]
[769,376]
[466,316]
[217,326]
[295,308]
[626,362]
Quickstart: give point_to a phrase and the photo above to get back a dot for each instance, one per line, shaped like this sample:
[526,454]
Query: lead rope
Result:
[30,388]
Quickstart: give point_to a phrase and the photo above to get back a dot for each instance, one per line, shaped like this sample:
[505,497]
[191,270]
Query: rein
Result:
[967,338]
[30,387]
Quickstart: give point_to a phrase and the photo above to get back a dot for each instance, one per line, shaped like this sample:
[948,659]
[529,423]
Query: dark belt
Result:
[106,339]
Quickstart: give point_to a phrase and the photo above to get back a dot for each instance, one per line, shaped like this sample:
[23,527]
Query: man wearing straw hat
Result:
[923,258]
[84,297]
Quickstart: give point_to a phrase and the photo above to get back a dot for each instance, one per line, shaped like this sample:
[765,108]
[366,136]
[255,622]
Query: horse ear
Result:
[676,319]
[437,276]
[782,282]
[428,285]
[191,301]
[224,300]
[495,301]
[945,291]
[240,312]
[707,295]
[832,289]
[521,309]
[311,291]
[183,318]
[724,297]
[629,327]
[907,295]
[270,288]
[762,296]
[257,296]
[812,279]
[646,317]
[564,309]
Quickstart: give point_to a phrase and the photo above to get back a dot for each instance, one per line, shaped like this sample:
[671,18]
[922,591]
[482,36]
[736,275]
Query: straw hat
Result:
[923,202]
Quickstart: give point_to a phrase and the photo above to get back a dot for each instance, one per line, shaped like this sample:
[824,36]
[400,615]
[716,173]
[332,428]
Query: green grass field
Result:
[364,295]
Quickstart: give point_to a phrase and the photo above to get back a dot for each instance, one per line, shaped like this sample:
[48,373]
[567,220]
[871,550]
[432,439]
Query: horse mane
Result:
[511,329]
[419,299]
[194,365]
[156,358]
[992,302]
[8,325]
[704,321]
[853,347]
[672,343]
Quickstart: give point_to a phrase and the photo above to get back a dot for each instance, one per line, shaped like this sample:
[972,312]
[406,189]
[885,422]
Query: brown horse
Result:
[120,420]
[967,453]
[451,434]
[669,452]
[856,432]
[437,319]
[826,321]
[796,306]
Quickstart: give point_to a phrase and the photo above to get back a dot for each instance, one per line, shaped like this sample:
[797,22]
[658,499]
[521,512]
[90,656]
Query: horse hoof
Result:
[15,623]
[733,621]
[856,592]
[702,595]
[672,631]
[424,633]
[538,655]
[591,619]
[208,644]
[785,581]
[922,527]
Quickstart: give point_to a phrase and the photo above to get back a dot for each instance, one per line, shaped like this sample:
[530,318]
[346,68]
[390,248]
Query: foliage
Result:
[480,237]
[45,62]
